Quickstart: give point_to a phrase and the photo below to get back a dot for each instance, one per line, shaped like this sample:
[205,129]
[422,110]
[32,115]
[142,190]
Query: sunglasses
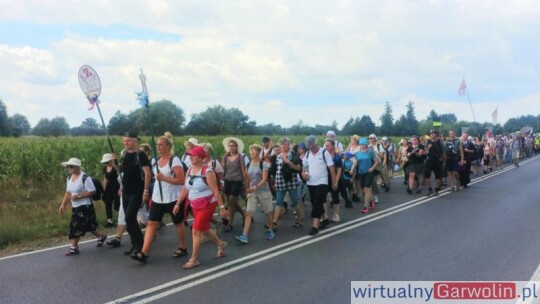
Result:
[192,177]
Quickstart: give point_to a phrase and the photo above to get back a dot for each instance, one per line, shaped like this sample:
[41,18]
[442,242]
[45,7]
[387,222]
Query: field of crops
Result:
[32,181]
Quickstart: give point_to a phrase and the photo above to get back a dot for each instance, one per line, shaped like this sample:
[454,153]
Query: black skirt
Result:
[83,219]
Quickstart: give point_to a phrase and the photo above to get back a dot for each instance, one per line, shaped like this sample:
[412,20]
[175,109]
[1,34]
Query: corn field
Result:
[32,181]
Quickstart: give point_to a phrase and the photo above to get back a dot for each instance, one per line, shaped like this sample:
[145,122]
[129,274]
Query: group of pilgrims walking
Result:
[274,178]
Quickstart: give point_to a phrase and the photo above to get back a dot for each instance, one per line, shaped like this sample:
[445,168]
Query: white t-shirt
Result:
[77,187]
[316,166]
[196,185]
[170,191]
[186,160]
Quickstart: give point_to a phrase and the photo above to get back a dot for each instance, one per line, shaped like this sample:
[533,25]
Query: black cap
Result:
[132,134]
[265,139]
[434,131]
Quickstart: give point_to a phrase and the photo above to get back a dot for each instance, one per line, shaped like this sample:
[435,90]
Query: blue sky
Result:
[278,62]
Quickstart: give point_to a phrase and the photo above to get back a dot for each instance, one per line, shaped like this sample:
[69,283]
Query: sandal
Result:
[101,240]
[72,251]
[139,256]
[221,250]
[130,251]
[180,252]
[191,264]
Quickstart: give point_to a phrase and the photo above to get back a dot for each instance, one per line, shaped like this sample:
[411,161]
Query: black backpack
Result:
[451,150]
[97,184]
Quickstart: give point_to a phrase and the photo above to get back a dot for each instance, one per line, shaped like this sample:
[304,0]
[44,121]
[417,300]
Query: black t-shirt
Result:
[112,181]
[414,158]
[133,178]
[435,152]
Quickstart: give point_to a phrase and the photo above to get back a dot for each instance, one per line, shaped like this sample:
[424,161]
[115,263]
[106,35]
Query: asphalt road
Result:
[489,231]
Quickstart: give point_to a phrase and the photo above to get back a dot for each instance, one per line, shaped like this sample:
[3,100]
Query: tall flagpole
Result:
[470,103]
[144,101]
[464,89]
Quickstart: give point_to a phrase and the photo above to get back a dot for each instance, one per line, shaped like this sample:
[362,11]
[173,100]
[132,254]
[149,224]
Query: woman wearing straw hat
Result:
[234,175]
[110,187]
[189,144]
[83,216]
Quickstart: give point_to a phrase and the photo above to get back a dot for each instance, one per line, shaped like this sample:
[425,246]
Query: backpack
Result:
[451,150]
[202,174]
[97,184]
[183,161]
[327,169]
[379,165]
[219,176]
[438,150]
[171,159]
[286,171]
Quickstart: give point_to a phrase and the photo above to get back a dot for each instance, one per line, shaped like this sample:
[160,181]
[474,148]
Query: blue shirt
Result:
[365,160]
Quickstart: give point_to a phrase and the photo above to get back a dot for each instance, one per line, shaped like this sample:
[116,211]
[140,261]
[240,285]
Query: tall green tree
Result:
[412,123]
[42,128]
[120,123]
[366,126]
[5,129]
[19,125]
[166,116]
[218,120]
[59,126]
[387,120]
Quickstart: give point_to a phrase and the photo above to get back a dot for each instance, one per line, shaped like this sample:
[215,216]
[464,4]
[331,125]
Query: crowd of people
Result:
[273,178]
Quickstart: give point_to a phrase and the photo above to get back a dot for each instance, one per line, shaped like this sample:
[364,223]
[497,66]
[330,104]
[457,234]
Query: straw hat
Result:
[238,142]
[106,158]
[72,162]
[192,141]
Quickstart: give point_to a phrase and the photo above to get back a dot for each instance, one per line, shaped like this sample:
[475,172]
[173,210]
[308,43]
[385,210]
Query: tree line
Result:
[217,120]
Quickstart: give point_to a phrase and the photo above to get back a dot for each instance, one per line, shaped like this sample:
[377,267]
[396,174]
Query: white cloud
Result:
[281,61]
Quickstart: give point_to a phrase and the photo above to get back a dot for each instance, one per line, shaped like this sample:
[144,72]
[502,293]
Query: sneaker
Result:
[365,210]
[269,234]
[336,218]
[115,242]
[72,251]
[313,231]
[430,192]
[108,224]
[445,183]
[355,198]
[242,238]
[436,193]
[409,191]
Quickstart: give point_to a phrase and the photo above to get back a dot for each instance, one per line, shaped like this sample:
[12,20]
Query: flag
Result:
[462,88]
[494,115]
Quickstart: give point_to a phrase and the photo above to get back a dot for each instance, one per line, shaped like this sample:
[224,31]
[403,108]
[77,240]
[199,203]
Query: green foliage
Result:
[166,116]
[54,127]
[387,120]
[19,125]
[5,129]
